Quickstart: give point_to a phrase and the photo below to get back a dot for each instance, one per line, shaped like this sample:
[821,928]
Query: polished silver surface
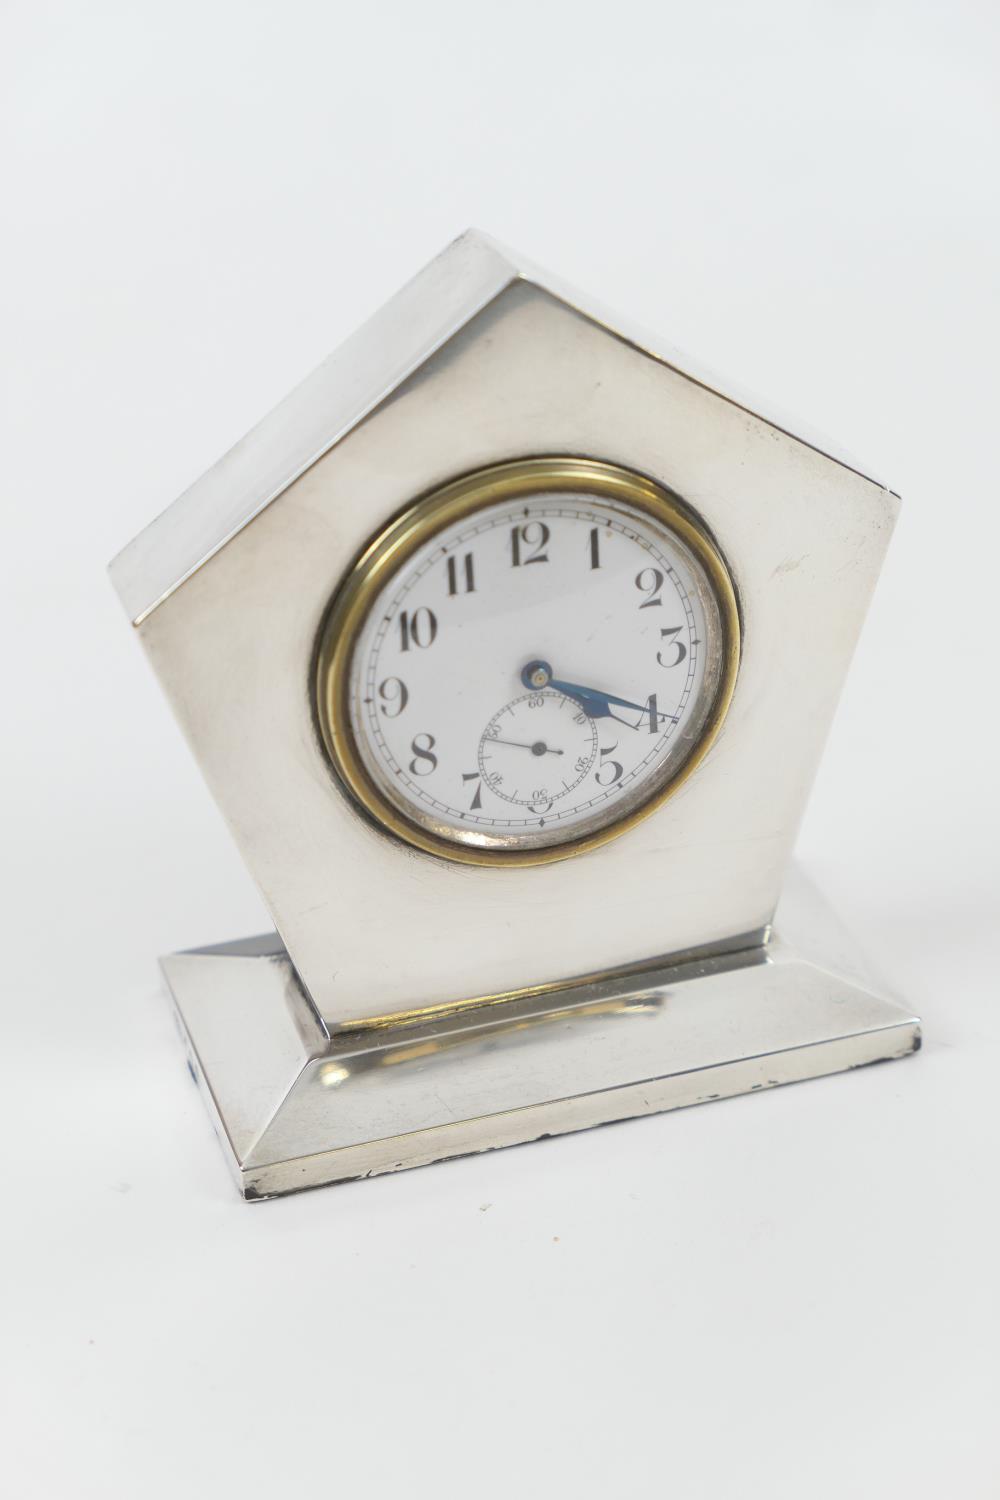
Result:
[479,360]
[474,271]
[296,1108]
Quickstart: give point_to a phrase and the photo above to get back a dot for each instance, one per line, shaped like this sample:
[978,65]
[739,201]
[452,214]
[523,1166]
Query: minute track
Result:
[594,703]
[423,690]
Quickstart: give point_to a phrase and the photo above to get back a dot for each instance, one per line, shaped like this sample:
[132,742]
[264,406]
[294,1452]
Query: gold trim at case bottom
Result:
[396,544]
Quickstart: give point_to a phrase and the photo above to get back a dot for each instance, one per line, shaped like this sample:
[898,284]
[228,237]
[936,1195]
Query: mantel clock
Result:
[507,645]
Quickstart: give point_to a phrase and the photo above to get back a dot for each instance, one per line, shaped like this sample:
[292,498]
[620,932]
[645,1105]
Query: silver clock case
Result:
[481,359]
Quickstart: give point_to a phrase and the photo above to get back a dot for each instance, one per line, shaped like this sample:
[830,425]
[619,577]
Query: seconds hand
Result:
[538,748]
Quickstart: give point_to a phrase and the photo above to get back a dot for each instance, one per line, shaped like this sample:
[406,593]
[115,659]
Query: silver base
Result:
[296,1107]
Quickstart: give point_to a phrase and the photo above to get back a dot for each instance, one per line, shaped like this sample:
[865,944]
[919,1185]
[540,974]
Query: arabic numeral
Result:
[461,579]
[424,760]
[678,648]
[477,796]
[533,535]
[394,695]
[649,581]
[419,629]
[614,767]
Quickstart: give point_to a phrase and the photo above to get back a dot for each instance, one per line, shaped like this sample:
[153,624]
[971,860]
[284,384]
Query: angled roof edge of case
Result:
[354,380]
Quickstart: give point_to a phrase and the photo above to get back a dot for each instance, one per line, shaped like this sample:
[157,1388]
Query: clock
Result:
[507,645]
[527,661]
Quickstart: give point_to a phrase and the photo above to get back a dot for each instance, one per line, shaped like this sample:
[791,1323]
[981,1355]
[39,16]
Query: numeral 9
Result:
[394,695]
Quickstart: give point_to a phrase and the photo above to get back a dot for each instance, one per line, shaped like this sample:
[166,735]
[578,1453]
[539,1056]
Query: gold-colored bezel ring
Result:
[397,542]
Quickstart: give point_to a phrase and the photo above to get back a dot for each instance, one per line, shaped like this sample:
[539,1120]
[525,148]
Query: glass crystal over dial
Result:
[526,662]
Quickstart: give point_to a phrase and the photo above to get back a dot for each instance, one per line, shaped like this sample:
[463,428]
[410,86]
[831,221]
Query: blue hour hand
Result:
[538,674]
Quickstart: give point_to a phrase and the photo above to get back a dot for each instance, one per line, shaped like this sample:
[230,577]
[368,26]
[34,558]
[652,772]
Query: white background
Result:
[788,1295]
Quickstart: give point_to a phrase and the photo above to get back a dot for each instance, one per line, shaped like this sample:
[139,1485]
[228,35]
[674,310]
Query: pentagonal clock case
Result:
[412,1006]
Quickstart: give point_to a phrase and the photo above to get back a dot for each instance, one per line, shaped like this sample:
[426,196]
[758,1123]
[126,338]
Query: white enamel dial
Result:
[536,670]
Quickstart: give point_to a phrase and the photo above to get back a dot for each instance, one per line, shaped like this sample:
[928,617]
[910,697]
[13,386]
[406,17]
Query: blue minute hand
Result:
[597,704]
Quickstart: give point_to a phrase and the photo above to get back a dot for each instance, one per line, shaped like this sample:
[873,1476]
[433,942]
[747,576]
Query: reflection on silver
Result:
[332,1074]
[297,1107]
[514,1023]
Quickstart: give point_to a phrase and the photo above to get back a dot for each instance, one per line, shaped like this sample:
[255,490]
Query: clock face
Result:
[527,661]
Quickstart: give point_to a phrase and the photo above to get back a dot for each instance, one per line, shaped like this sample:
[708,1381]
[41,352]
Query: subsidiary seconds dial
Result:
[528,661]
[559,736]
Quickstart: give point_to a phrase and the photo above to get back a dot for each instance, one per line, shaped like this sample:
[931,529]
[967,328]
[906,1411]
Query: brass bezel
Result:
[402,537]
